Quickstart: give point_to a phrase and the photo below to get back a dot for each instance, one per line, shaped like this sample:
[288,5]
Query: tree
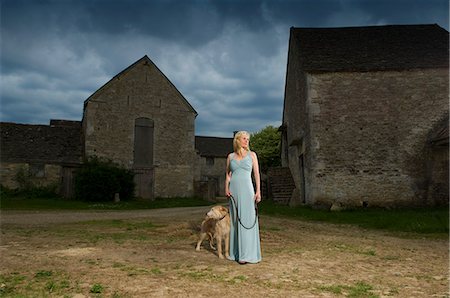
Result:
[266,143]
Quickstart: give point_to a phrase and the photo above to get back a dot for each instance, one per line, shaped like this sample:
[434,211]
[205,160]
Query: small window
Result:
[210,161]
[37,170]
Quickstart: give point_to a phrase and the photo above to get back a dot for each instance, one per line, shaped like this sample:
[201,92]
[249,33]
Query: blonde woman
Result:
[244,233]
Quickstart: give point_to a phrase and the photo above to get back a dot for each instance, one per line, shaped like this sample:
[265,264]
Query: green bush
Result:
[98,180]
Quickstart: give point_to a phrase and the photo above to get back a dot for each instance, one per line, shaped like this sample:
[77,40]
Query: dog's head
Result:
[217,212]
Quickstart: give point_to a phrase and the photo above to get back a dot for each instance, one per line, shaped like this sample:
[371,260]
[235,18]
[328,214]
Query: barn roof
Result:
[213,146]
[392,47]
[57,143]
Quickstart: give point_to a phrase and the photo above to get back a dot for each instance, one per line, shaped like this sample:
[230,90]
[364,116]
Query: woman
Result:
[244,233]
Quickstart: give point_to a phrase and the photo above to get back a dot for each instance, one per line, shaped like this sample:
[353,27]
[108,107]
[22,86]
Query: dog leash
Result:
[238,217]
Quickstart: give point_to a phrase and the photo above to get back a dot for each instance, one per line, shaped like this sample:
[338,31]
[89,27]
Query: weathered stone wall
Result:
[49,175]
[295,137]
[143,91]
[206,171]
[438,188]
[368,135]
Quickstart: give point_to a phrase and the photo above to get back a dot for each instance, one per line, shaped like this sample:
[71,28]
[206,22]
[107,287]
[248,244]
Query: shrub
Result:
[98,180]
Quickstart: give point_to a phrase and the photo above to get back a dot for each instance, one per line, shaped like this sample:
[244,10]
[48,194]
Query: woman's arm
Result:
[228,177]
[257,177]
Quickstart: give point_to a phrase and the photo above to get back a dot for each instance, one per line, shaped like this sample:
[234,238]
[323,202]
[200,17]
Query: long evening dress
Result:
[244,243]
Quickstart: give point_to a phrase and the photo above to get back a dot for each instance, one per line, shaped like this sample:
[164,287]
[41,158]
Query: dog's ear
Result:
[224,209]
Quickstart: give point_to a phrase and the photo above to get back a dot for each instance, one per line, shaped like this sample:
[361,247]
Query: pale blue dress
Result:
[244,243]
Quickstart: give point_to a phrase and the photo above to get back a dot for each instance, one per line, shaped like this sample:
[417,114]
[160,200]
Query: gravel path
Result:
[30,218]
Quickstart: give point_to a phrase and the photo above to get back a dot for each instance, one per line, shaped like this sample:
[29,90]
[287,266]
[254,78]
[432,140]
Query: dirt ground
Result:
[151,253]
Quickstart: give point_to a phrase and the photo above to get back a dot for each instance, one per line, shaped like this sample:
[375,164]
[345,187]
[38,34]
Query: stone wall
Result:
[205,171]
[438,189]
[369,132]
[38,175]
[295,134]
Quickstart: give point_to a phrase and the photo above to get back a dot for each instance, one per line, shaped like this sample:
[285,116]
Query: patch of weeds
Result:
[141,237]
[198,275]
[9,282]
[335,289]
[133,271]
[118,265]
[43,274]
[370,252]
[116,295]
[278,286]
[424,277]
[94,239]
[156,270]
[144,225]
[359,290]
[96,289]
[64,284]
[92,262]
[240,278]
[119,238]
[205,275]
[51,286]
[394,292]
[273,228]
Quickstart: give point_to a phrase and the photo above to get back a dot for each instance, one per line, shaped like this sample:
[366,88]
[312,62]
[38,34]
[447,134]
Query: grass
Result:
[26,203]
[423,221]
[360,289]
[419,220]
[42,284]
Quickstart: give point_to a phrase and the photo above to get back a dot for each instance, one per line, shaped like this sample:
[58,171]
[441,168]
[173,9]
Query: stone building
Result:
[139,120]
[438,163]
[360,104]
[45,155]
[210,165]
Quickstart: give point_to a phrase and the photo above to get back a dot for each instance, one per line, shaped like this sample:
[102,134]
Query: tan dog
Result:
[216,225]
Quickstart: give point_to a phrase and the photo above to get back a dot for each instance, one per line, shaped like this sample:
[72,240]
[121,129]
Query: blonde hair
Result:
[236,144]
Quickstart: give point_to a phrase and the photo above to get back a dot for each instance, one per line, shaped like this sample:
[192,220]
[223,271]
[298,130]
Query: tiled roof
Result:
[393,47]
[213,146]
[59,143]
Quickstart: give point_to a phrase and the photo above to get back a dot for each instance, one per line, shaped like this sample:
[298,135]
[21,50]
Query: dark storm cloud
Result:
[228,58]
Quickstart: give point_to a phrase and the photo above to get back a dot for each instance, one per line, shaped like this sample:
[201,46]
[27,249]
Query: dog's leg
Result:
[227,245]
[200,240]
[219,247]
[211,240]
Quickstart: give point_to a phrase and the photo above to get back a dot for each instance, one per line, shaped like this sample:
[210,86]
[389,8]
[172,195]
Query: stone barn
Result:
[138,119]
[40,155]
[364,115]
[210,165]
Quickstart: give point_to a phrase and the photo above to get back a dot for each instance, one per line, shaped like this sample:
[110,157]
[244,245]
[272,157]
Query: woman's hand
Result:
[228,193]
[257,197]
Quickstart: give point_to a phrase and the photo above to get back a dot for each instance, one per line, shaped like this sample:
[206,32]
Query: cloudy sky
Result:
[228,58]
